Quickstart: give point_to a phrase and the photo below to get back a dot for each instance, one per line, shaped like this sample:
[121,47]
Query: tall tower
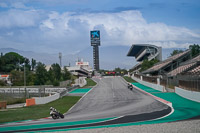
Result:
[60,57]
[95,42]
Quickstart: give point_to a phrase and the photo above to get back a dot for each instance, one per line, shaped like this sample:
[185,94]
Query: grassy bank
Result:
[90,83]
[10,100]
[129,79]
[37,111]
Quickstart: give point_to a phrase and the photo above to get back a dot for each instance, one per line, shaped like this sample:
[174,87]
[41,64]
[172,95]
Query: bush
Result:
[56,83]
[2,83]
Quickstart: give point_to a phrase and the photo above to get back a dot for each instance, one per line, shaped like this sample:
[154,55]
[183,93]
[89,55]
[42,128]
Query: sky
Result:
[53,26]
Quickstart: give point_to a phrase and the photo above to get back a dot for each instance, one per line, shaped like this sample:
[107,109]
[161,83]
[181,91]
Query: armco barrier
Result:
[44,100]
[30,102]
[151,85]
[191,95]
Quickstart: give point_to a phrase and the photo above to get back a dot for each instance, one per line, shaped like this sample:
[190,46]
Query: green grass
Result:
[16,101]
[90,83]
[11,100]
[129,79]
[37,111]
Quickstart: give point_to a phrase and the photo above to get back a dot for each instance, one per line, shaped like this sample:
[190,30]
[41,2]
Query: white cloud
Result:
[122,28]
[69,31]
[18,5]
[18,18]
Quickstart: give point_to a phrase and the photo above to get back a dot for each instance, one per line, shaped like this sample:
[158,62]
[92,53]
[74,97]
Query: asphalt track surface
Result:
[109,99]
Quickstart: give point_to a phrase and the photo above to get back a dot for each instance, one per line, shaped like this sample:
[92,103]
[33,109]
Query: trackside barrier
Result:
[151,85]
[3,104]
[44,100]
[30,102]
[191,95]
[155,97]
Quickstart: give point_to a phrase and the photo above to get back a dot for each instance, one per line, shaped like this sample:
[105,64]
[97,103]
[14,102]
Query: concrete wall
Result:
[44,100]
[80,81]
[154,86]
[30,90]
[191,95]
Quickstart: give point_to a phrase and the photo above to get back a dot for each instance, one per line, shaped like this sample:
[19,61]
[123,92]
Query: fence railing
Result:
[137,76]
[163,82]
[150,79]
[193,85]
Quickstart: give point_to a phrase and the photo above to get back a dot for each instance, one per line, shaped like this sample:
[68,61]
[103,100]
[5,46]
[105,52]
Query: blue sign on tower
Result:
[95,34]
[95,37]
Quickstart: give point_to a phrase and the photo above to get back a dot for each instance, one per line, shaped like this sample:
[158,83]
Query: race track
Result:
[112,98]
[109,99]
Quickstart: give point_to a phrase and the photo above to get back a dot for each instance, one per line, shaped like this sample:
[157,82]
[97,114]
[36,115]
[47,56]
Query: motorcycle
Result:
[56,114]
[130,87]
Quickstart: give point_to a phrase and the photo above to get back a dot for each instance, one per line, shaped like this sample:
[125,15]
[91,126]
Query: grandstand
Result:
[196,70]
[169,64]
[181,70]
[144,51]
[191,66]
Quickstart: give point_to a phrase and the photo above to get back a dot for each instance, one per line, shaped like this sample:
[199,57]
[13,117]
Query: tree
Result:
[66,74]
[120,71]
[50,77]
[10,61]
[175,52]
[195,50]
[148,64]
[17,78]
[33,64]
[30,78]
[27,64]
[41,74]
[56,71]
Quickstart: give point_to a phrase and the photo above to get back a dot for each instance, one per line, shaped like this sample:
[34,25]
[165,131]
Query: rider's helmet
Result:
[51,108]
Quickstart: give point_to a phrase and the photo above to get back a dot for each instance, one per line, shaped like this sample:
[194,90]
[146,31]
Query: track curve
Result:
[109,99]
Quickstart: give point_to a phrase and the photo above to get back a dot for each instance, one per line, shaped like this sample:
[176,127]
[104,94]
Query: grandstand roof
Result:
[166,62]
[136,48]
[139,51]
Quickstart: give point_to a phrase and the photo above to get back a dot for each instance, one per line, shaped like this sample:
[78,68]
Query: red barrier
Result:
[30,102]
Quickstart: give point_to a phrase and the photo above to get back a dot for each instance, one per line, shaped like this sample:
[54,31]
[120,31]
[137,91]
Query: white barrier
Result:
[30,90]
[44,100]
[80,81]
[191,95]
[154,86]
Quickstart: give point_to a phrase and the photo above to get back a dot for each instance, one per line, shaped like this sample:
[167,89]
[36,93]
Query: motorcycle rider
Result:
[130,86]
[55,114]
[52,110]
